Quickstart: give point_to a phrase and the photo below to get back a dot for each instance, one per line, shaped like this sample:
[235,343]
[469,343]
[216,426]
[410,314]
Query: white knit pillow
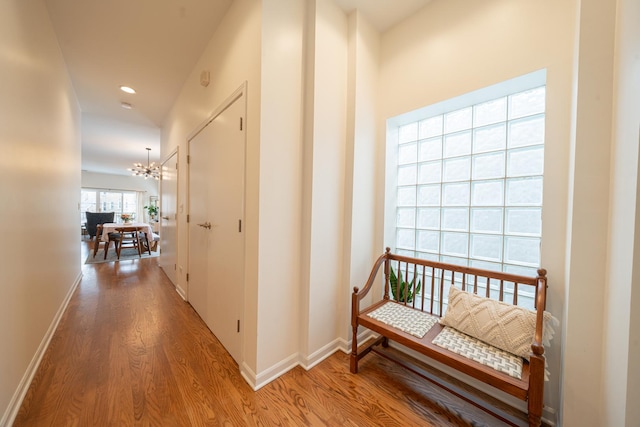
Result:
[505,326]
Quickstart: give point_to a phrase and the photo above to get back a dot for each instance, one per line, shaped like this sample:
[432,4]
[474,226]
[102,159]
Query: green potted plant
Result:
[153,211]
[404,289]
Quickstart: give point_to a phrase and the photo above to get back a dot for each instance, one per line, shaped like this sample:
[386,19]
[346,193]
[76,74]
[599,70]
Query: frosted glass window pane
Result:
[406,196]
[430,172]
[523,271]
[487,193]
[405,252]
[524,221]
[408,133]
[429,195]
[490,138]
[487,166]
[527,131]
[405,239]
[406,217]
[525,161]
[455,194]
[470,185]
[407,153]
[455,244]
[486,220]
[430,257]
[457,144]
[486,265]
[457,120]
[428,241]
[490,112]
[430,149]
[455,219]
[522,251]
[429,218]
[431,127]
[407,175]
[458,169]
[486,247]
[454,261]
[524,192]
[527,103]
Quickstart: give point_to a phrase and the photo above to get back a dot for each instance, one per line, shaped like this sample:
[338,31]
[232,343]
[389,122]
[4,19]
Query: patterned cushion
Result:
[474,349]
[505,326]
[409,320]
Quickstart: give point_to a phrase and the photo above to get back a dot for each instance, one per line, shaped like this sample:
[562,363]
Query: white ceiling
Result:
[152,46]
[383,14]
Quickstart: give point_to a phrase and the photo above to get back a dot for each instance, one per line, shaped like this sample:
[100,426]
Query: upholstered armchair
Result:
[95,218]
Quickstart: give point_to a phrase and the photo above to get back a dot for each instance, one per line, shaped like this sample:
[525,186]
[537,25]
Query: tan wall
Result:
[39,186]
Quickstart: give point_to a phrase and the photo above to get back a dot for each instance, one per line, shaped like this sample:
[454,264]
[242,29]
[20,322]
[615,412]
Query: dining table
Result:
[110,227]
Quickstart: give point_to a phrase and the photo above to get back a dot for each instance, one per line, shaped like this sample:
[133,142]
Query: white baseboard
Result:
[257,381]
[181,292]
[321,354]
[16,401]
[248,375]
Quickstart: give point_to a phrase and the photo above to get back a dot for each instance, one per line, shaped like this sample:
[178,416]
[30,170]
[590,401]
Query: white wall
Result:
[453,47]
[281,148]
[363,165]
[40,178]
[120,182]
[584,316]
[232,57]
[324,179]
[621,376]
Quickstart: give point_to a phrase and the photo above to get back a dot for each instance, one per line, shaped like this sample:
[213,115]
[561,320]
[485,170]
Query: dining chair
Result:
[111,237]
[146,243]
[130,238]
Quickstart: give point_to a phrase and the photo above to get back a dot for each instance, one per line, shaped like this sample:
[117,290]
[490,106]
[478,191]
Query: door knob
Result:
[206,225]
[166,218]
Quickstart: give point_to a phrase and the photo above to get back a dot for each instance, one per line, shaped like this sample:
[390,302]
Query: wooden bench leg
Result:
[536,391]
[353,359]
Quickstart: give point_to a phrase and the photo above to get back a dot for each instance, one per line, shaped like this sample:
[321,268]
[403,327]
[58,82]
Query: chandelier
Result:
[149,171]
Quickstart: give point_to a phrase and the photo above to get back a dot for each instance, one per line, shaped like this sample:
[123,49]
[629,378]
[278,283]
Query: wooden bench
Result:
[436,280]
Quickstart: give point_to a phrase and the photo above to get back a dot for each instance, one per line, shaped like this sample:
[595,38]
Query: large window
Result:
[468,181]
[93,200]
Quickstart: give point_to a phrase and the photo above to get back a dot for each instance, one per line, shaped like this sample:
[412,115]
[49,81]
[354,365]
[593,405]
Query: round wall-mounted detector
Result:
[126,105]
[127,89]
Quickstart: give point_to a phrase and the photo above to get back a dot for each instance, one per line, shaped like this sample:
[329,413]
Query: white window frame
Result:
[99,203]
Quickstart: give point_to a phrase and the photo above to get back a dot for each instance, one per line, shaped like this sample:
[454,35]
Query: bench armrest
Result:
[537,346]
[358,294]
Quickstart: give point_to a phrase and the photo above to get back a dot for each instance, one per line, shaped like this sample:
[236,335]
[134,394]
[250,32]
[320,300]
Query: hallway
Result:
[129,351]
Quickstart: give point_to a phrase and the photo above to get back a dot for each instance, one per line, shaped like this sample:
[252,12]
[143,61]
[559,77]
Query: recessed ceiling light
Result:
[126,105]
[127,89]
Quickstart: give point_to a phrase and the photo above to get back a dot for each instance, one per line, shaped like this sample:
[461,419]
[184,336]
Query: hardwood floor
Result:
[129,351]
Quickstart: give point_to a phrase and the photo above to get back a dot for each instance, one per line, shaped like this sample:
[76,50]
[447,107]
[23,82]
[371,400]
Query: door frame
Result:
[175,152]
[240,92]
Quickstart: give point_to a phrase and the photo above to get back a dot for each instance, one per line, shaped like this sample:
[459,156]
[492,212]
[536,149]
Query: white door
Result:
[216,229]
[168,217]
